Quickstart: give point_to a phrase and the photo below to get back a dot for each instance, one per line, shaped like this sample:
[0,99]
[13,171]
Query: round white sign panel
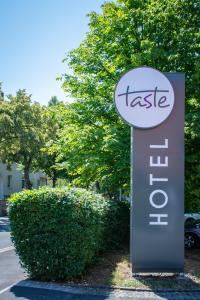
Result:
[144,97]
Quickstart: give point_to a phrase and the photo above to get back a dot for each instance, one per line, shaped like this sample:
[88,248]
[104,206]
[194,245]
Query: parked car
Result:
[191,216]
[192,233]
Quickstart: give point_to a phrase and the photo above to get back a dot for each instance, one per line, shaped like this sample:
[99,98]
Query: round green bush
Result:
[57,233]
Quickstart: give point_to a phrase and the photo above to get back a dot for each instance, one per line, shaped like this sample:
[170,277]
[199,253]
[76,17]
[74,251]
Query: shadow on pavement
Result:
[29,293]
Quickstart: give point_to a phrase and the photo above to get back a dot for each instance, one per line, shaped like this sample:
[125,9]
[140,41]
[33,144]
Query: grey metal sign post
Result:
[153,103]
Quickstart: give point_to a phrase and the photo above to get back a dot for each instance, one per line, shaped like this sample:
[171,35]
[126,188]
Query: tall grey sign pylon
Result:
[157,169]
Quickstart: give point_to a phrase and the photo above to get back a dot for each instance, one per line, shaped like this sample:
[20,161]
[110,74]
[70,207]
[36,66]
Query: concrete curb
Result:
[64,288]
[100,290]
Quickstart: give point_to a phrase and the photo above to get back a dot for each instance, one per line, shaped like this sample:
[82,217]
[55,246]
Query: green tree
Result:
[95,149]
[22,132]
[129,33]
[50,160]
[53,101]
[1,92]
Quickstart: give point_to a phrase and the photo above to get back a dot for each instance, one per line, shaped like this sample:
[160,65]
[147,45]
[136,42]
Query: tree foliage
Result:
[53,101]
[49,159]
[94,147]
[22,131]
[129,33]
[29,135]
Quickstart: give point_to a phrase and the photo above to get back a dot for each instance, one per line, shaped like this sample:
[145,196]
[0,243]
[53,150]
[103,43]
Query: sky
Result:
[35,36]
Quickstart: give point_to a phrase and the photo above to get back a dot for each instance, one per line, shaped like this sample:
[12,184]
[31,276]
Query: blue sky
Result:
[34,37]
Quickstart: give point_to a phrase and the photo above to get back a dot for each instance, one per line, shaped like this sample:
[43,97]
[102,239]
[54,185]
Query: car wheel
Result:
[190,241]
[189,221]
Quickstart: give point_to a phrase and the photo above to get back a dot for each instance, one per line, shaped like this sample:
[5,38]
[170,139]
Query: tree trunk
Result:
[97,186]
[54,179]
[110,195]
[27,182]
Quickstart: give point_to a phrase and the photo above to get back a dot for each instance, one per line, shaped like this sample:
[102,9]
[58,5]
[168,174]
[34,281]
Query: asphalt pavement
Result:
[10,269]
[15,286]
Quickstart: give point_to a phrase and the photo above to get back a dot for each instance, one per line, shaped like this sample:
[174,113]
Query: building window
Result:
[43,181]
[9,180]
[9,167]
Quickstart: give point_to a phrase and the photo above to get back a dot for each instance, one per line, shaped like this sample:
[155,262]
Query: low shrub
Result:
[117,233]
[57,233]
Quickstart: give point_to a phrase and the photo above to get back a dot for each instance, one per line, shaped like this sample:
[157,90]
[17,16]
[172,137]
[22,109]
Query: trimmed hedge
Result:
[57,233]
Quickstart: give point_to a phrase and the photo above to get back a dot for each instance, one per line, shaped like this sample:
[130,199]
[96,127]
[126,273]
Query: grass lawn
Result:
[113,269]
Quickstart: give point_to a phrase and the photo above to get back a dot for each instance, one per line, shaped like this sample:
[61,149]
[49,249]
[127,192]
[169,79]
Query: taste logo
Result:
[144,97]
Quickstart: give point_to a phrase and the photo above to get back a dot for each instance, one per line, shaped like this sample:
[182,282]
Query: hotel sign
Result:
[153,103]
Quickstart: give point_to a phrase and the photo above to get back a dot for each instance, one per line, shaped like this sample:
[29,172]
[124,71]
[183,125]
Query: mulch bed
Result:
[113,269]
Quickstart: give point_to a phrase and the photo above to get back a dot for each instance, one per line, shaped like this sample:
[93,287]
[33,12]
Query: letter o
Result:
[156,192]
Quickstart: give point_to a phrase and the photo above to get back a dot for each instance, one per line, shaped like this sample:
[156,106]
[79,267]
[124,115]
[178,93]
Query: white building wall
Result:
[6,189]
